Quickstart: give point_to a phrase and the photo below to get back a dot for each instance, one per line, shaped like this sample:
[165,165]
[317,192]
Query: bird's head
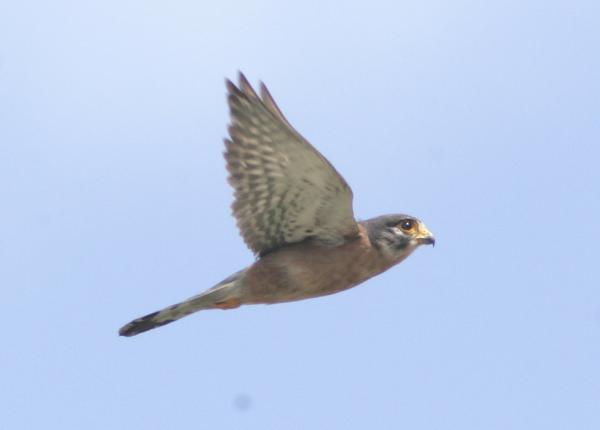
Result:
[397,235]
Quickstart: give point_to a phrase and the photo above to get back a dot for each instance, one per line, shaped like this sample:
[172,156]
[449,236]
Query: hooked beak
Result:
[430,240]
[425,237]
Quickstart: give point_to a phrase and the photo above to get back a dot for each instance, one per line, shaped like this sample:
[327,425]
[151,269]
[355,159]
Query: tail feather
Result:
[140,325]
[223,291]
[160,318]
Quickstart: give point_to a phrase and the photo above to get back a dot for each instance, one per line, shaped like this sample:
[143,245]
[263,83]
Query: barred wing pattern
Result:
[285,190]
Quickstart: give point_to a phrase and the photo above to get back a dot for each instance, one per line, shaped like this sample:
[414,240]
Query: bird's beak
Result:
[425,237]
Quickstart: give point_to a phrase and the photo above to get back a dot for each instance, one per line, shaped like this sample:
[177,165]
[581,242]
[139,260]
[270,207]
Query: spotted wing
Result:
[285,190]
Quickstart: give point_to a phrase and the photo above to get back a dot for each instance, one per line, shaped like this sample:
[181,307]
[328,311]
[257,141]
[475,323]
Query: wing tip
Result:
[231,88]
[243,87]
[269,102]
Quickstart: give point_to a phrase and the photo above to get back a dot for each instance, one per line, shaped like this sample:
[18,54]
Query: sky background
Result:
[482,118]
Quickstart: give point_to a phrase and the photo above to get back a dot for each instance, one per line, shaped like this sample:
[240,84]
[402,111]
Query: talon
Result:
[228,304]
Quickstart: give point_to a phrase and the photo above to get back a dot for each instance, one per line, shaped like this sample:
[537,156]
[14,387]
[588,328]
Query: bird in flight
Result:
[294,211]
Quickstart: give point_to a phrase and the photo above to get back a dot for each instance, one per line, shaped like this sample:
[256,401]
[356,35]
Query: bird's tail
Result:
[222,296]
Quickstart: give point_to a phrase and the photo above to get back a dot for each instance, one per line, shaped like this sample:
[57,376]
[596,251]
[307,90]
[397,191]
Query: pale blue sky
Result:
[481,118]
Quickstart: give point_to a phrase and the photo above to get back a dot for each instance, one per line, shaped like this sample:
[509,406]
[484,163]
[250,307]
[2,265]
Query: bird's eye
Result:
[407,224]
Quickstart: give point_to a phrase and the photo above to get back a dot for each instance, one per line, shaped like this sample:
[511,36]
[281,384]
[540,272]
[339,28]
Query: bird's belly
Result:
[296,274]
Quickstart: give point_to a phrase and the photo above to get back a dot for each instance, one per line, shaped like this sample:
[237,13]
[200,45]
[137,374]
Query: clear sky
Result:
[481,118]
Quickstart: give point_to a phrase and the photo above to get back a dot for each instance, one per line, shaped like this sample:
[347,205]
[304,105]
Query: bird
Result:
[294,211]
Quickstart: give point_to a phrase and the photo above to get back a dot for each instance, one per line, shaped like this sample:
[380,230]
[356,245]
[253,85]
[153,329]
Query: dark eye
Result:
[407,224]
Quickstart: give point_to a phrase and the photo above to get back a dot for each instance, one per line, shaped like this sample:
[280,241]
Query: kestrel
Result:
[294,211]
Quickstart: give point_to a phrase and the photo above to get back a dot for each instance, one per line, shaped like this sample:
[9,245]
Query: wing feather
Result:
[285,191]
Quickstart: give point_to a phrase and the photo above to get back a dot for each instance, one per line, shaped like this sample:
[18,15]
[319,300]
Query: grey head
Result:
[397,235]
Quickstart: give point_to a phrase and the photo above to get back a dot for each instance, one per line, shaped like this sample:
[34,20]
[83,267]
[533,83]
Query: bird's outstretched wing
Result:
[285,190]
